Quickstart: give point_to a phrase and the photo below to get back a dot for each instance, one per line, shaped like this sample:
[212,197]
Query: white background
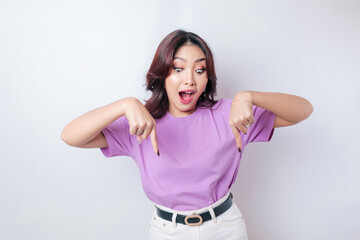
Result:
[60,59]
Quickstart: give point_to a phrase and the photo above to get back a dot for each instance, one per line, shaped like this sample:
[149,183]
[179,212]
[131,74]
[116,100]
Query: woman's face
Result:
[186,81]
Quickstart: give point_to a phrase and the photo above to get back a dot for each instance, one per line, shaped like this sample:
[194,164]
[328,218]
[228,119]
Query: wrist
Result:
[124,104]
[244,96]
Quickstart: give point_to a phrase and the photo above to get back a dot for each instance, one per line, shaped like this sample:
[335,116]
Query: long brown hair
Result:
[158,103]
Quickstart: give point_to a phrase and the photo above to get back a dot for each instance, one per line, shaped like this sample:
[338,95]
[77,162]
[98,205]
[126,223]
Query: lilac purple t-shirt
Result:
[199,159]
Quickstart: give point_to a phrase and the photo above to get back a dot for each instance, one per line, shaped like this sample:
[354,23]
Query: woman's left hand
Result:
[241,116]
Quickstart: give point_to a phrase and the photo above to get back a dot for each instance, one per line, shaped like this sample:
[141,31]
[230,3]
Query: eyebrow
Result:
[199,60]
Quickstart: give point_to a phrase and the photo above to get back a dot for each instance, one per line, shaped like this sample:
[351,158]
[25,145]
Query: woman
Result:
[189,179]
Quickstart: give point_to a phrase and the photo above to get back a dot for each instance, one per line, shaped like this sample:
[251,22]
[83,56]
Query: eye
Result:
[201,70]
[177,69]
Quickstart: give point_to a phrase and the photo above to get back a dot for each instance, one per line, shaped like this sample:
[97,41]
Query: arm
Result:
[82,130]
[289,109]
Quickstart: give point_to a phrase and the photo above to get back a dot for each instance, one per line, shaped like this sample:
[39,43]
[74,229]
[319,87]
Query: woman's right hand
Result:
[141,123]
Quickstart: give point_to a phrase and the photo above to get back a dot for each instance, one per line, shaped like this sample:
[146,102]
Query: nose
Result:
[190,79]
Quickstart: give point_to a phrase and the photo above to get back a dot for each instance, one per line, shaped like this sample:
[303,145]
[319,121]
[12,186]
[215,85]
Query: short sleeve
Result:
[118,138]
[262,130]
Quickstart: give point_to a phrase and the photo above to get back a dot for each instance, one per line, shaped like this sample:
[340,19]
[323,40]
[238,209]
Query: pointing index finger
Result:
[154,140]
[237,138]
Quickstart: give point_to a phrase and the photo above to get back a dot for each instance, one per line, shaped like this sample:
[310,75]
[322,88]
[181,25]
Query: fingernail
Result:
[158,153]
[239,150]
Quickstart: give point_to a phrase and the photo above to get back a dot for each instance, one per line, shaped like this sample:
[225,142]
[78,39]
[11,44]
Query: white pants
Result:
[230,225]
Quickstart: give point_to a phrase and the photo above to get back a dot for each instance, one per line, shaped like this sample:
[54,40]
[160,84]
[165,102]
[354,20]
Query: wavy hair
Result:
[158,103]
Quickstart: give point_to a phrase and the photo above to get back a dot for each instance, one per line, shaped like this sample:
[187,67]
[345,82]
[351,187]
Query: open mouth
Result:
[186,97]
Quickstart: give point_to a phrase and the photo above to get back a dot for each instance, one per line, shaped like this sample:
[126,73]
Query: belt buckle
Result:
[193,216]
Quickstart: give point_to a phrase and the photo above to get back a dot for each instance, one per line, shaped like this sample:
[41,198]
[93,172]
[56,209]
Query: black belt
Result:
[196,219]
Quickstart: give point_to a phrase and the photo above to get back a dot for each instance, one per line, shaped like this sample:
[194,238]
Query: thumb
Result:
[237,138]
[139,138]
